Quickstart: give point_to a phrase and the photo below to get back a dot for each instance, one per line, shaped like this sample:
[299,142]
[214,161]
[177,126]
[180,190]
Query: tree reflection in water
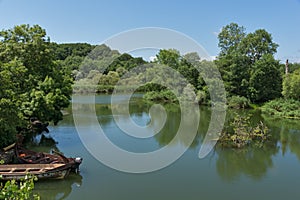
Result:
[252,162]
[288,134]
[231,164]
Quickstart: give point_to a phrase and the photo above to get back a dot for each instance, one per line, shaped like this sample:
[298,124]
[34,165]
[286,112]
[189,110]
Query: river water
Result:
[268,172]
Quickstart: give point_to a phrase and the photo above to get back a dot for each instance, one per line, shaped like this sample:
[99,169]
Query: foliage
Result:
[63,51]
[148,87]
[241,133]
[201,97]
[98,59]
[188,68]
[286,108]
[125,61]
[169,57]
[291,67]
[291,85]
[265,81]
[230,37]
[19,190]
[162,96]
[238,102]
[257,44]
[246,62]
[32,84]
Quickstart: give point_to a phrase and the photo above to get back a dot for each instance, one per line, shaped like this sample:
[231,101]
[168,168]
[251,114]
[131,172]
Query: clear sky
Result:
[94,21]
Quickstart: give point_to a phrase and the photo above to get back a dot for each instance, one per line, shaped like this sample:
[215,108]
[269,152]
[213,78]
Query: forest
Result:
[38,76]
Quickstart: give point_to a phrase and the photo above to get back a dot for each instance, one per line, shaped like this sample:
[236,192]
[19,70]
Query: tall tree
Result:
[291,85]
[230,37]
[240,58]
[257,44]
[265,81]
[35,84]
[170,57]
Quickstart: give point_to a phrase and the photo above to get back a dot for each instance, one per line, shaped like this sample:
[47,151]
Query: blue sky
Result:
[94,21]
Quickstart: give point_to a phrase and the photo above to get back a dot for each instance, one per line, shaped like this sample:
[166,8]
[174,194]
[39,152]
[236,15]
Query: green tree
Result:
[230,37]
[169,57]
[35,85]
[291,85]
[265,81]
[246,63]
[9,87]
[257,44]
[235,70]
[63,51]
[188,69]
[126,61]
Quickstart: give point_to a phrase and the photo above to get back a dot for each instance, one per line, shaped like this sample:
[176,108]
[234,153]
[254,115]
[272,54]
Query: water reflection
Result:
[53,189]
[288,134]
[58,189]
[231,164]
[225,169]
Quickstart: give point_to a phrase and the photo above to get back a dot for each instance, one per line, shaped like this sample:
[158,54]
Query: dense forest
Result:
[37,76]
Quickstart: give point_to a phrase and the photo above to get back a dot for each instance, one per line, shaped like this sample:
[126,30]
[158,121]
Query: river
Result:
[268,172]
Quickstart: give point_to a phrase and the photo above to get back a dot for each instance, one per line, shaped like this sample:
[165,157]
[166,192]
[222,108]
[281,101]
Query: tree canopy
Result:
[32,83]
[247,64]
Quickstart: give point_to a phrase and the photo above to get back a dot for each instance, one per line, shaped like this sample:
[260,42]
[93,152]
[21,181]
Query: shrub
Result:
[291,86]
[201,97]
[238,102]
[162,96]
[241,133]
[287,108]
[18,190]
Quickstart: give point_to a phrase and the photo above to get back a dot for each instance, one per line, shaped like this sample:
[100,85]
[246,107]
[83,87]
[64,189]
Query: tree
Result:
[257,44]
[291,85]
[170,57]
[98,59]
[230,37]
[35,85]
[10,118]
[126,61]
[265,81]
[246,58]
[63,51]
[235,70]
[188,69]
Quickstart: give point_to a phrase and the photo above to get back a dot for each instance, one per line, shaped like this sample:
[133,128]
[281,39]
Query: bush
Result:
[287,108]
[18,190]
[241,133]
[291,86]
[238,102]
[201,97]
[162,96]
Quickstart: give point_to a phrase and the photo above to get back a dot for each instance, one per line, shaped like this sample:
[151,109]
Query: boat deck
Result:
[27,168]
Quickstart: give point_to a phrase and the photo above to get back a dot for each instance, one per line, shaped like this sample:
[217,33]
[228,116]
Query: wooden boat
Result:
[32,157]
[26,156]
[41,171]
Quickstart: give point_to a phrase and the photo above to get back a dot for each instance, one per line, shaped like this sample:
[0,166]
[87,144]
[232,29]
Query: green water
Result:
[270,172]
